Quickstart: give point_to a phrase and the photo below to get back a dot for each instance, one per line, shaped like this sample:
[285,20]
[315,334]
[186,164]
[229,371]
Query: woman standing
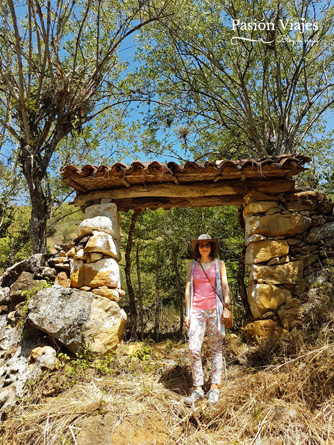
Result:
[207,301]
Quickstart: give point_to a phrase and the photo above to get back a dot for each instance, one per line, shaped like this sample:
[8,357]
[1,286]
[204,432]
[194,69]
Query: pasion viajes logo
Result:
[301,26]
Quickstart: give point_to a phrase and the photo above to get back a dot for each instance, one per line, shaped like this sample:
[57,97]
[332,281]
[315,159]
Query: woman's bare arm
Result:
[223,276]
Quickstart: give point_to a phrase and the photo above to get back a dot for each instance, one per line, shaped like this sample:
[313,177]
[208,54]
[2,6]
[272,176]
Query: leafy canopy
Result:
[234,78]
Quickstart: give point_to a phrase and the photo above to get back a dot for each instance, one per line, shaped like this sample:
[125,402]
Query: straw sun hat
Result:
[205,237]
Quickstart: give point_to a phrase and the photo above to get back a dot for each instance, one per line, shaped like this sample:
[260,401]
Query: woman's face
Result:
[204,248]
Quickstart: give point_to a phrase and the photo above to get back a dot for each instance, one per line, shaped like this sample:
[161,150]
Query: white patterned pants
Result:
[202,321]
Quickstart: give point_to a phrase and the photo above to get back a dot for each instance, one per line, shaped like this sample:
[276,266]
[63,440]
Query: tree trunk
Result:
[241,270]
[11,254]
[179,291]
[39,210]
[140,297]
[157,301]
[132,302]
[40,205]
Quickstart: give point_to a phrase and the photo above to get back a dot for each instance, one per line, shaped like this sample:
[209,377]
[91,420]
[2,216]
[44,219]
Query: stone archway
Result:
[281,223]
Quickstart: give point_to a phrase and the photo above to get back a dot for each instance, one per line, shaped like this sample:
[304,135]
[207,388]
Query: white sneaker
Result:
[213,396]
[196,395]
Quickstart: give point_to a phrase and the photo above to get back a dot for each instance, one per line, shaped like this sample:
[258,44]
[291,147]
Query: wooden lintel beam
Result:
[125,205]
[166,191]
[201,192]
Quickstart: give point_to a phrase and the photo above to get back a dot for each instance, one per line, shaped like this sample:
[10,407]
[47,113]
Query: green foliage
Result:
[15,244]
[75,366]
[320,175]
[142,354]
[231,91]
[29,294]
[84,365]
[105,365]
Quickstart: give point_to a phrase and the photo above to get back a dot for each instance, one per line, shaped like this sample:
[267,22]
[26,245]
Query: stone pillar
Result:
[96,253]
[290,242]
[275,277]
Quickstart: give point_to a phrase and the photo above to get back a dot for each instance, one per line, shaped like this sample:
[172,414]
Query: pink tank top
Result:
[204,296]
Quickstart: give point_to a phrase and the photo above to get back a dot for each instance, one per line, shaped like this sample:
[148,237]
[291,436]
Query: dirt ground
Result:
[135,430]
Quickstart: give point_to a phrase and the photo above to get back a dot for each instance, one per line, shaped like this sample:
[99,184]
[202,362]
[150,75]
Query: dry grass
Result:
[286,403]
[46,422]
[277,394]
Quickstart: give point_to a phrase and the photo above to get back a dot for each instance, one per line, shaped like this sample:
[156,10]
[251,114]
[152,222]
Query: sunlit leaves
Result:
[239,88]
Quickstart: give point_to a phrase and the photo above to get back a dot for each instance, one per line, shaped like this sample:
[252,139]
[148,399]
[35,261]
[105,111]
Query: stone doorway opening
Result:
[160,253]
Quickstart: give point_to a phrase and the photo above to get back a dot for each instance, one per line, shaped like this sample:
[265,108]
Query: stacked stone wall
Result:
[94,255]
[289,243]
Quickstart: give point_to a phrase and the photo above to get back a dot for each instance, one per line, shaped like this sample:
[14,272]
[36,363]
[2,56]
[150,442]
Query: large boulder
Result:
[9,337]
[31,265]
[4,295]
[45,272]
[291,313]
[13,376]
[108,209]
[104,272]
[105,326]
[79,320]
[16,344]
